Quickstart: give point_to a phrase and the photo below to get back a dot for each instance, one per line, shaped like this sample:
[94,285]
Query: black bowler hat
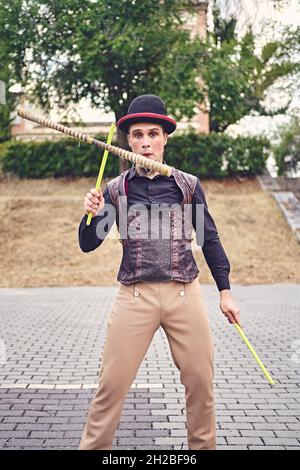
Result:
[147,108]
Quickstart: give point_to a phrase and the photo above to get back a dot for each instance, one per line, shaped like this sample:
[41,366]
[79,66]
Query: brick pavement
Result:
[51,341]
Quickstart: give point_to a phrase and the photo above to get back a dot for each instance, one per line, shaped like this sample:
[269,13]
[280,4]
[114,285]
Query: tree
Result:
[14,23]
[106,51]
[4,107]
[8,104]
[237,78]
[287,151]
[6,101]
[111,51]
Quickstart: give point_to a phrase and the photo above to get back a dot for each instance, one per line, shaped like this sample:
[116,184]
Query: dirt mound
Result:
[39,235]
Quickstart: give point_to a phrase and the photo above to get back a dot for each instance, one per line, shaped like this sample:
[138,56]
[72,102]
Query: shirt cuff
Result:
[223,283]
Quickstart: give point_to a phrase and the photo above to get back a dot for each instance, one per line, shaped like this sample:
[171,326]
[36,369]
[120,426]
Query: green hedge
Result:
[55,159]
[218,155]
[210,156]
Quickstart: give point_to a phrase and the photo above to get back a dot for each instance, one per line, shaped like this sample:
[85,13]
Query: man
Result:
[158,279]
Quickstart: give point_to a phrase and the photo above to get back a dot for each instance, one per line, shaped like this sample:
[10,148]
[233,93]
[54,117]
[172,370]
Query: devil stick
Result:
[102,166]
[139,160]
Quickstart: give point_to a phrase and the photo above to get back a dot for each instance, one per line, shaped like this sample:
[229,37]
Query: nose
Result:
[145,142]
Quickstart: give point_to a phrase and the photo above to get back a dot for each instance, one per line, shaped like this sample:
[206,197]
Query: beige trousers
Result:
[138,311]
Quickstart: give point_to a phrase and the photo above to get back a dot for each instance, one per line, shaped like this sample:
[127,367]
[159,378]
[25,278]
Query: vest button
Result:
[136,294]
[181,293]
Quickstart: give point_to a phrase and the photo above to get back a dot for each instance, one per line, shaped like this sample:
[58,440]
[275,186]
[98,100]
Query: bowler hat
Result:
[147,108]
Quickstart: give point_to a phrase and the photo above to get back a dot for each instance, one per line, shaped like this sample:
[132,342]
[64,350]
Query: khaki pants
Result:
[137,313]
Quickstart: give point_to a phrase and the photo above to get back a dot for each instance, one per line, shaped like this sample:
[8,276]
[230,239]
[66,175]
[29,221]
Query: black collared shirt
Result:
[163,189]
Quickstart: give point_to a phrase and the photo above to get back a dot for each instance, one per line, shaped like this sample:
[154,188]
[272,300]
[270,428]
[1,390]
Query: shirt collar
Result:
[132,172]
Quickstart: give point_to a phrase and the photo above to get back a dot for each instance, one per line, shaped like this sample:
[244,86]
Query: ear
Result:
[166,137]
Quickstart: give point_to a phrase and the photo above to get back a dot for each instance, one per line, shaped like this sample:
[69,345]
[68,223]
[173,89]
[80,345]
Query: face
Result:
[148,139]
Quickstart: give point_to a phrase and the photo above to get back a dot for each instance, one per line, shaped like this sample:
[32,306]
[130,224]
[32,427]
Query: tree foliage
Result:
[238,77]
[106,51]
[111,51]
[287,151]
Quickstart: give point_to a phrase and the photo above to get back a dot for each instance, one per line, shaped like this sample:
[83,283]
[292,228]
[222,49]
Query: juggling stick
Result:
[102,166]
[122,153]
[237,326]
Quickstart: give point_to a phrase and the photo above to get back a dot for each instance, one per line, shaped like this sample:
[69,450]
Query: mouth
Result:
[147,154]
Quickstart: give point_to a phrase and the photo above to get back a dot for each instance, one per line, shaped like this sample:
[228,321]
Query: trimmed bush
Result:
[209,156]
[55,159]
[218,155]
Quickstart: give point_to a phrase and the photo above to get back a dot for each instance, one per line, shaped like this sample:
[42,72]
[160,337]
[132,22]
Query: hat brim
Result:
[165,121]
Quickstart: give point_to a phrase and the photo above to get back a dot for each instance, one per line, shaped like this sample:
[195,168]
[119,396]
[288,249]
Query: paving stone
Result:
[55,350]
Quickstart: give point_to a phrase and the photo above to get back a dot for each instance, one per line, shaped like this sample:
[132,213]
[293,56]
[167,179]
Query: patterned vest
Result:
[162,254]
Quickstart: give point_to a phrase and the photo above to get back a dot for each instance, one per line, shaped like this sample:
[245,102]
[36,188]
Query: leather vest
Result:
[163,254]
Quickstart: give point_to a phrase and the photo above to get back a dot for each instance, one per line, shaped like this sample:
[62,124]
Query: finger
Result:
[236,316]
[93,199]
[88,202]
[230,317]
[239,323]
[93,206]
[95,192]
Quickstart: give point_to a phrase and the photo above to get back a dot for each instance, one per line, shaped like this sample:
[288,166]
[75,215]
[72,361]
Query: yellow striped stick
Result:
[136,158]
[102,166]
[267,375]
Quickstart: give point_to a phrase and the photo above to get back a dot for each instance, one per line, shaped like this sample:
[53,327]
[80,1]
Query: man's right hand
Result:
[93,202]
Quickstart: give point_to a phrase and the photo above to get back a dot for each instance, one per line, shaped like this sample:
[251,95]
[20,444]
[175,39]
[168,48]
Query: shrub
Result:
[209,156]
